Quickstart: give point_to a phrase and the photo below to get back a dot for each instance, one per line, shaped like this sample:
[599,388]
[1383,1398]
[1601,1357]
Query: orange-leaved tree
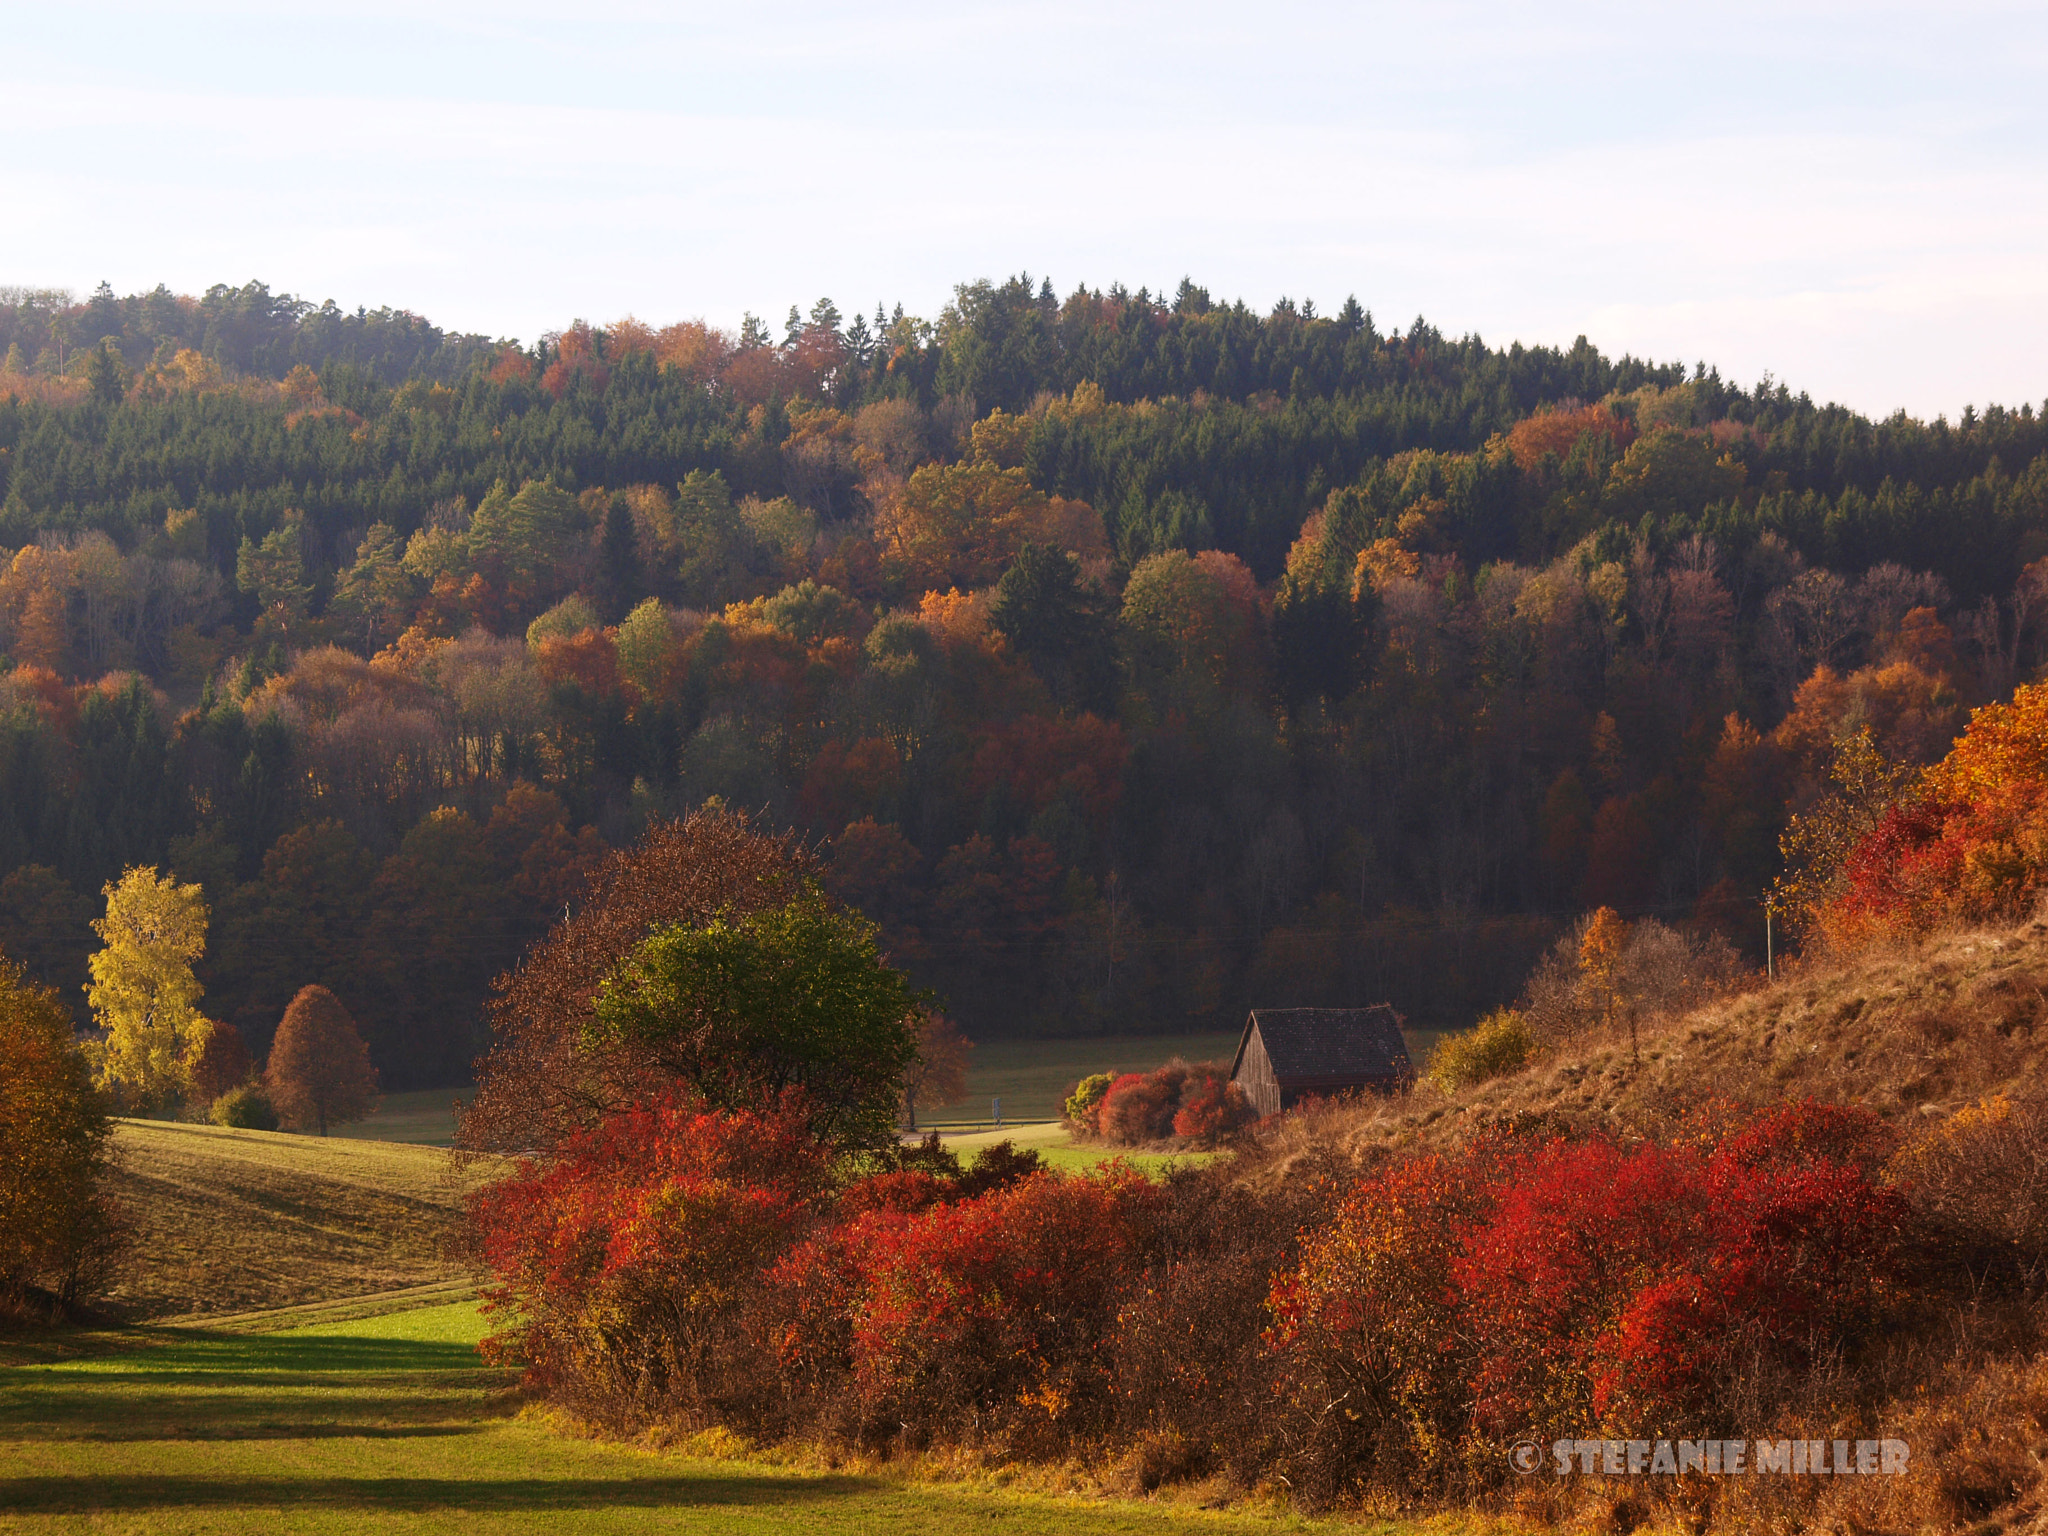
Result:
[939,1073]
[319,1072]
[57,1232]
[220,1061]
[1968,843]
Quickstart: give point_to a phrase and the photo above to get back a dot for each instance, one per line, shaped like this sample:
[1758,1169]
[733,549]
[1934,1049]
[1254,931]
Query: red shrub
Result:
[1553,1289]
[1138,1108]
[1574,1230]
[1971,840]
[1175,1100]
[625,1259]
[1794,1135]
[1211,1108]
[906,1190]
[996,1310]
[1369,1318]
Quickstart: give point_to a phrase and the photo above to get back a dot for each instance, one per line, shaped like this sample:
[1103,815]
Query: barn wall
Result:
[1255,1076]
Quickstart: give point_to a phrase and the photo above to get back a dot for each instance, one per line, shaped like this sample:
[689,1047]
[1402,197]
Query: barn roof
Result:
[1329,1045]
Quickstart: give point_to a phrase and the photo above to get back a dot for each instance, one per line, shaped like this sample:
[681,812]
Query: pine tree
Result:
[618,559]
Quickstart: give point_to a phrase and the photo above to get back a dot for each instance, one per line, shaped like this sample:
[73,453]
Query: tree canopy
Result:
[748,1006]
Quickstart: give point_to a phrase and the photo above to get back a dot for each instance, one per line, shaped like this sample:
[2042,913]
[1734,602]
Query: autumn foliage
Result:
[676,1263]
[1193,1103]
[58,1233]
[319,1072]
[1968,843]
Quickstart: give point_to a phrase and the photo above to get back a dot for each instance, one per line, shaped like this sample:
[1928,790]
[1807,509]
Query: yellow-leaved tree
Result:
[143,992]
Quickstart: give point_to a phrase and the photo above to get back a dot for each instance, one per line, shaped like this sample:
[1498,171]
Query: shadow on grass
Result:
[229,1359]
[119,1494]
[95,1418]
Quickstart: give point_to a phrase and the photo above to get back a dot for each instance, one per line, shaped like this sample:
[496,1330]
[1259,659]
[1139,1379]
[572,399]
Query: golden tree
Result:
[1819,840]
[143,992]
[1600,950]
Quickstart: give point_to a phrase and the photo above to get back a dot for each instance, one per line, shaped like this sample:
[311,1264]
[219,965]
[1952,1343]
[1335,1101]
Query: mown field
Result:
[236,1221]
[393,1424]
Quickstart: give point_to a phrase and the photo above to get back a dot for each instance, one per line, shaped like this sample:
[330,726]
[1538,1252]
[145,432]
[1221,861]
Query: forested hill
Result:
[1139,656]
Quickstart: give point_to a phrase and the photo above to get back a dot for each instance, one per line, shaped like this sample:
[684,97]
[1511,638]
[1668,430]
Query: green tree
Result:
[518,539]
[106,373]
[1060,624]
[375,595]
[275,572]
[792,997]
[143,992]
[618,561]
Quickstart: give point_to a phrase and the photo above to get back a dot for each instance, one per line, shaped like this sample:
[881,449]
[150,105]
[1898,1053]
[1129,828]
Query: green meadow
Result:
[393,1424]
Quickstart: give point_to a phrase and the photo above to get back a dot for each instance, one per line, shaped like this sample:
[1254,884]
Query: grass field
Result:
[1032,1076]
[1053,1146]
[392,1424]
[233,1221]
[425,1118]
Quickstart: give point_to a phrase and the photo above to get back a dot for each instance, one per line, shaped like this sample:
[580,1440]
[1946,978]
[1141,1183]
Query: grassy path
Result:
[390,1424]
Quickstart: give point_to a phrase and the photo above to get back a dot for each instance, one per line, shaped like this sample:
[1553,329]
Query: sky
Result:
[1852,199]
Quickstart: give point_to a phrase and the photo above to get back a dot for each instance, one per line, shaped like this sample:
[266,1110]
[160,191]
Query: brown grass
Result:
[234,1221]
[1913,1033]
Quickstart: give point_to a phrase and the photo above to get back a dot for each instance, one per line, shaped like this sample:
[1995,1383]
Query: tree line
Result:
[1128,657]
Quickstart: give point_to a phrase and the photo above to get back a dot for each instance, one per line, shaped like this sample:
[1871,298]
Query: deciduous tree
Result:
[56,1229]
[743,1008]
[938,1073]
[319,1073]
[143,992]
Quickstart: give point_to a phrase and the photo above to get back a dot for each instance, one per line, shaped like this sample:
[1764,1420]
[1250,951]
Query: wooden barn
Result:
[1287,1054]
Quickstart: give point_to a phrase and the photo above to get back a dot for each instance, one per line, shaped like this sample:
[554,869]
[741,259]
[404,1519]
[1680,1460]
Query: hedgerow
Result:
[1388,1331]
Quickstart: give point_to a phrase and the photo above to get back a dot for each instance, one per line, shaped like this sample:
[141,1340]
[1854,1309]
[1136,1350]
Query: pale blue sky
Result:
[1853,197]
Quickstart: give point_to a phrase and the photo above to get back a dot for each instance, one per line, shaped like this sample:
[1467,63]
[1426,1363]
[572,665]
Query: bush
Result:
[1580,1287]
[1981,1175]
[1086,1099]
[1498,1044]
[627,1261]
[992,1315]
[1335,1332]
[1139,1107]
[1969,842]
[246,1108]
[220,1062]
[1212,1109]
[1658,971]
[1197,1103]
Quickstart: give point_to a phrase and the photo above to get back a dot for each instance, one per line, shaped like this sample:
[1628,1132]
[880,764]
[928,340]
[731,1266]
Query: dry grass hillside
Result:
[1910,1032]
[231,1221]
